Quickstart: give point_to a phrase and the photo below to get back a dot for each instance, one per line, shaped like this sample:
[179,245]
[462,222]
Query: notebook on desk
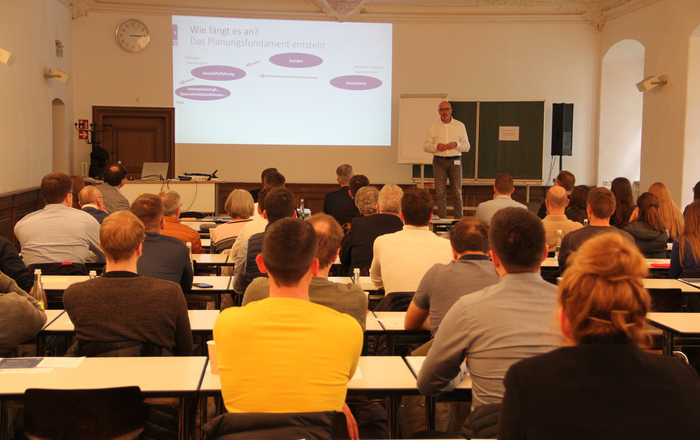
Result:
[154,171]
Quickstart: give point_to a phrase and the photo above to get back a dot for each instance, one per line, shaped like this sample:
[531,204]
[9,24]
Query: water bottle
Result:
[585,222]
[302,213]
[556,250]
[356,276]
[189,251]
[37,291]
[93,274]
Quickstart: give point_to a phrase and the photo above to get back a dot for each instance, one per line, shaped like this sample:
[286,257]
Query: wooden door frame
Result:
[166,113]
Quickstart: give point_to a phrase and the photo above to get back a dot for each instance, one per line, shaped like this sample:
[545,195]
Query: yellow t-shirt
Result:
[286,355]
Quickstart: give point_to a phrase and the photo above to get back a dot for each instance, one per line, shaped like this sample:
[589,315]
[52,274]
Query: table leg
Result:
[4,420]
[390,343]
[667,343]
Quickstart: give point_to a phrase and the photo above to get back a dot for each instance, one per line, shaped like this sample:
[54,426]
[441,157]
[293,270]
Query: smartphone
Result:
[202,285]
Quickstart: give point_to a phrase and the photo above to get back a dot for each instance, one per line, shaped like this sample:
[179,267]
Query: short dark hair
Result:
[265,172]
[289,248]
[416,206]
[149,209]
[470,235]
[114,174]
[504,183]
[602,202]
[329,235]
[566,180]
[517,238]
[279,203]
[261,198]
[274,179]
[356,182]
[55,187]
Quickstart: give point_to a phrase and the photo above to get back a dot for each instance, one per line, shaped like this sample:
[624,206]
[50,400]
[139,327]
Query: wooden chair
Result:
[106,414]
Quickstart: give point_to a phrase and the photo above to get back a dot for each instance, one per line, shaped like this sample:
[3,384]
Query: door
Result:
[138,135]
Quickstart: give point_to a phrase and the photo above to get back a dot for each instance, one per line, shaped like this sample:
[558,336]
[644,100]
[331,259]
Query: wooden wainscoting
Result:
[15,205]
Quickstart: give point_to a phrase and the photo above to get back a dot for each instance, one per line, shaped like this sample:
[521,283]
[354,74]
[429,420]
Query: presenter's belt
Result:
[448,157]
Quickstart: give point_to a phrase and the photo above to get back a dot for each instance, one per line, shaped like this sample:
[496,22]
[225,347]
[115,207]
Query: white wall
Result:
[620,145]
[691,170]
[552,62]
[29,30]
[664,29]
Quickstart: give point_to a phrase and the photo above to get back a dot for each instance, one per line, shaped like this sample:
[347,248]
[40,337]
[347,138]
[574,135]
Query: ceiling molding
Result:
[594,12]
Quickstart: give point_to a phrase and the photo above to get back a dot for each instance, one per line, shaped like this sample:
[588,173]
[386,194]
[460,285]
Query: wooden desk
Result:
[673,325]
[200,196]
[167,376]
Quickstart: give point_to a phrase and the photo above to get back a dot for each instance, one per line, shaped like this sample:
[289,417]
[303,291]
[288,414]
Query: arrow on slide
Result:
[283,76]
[185,81]
[250,64]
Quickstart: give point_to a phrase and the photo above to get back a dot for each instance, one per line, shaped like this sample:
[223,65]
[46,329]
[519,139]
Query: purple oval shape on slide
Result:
[218,73]
[202,93]
[296,60]
[356,82]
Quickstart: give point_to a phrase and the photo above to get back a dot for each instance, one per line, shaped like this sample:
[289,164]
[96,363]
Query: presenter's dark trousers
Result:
[444,167]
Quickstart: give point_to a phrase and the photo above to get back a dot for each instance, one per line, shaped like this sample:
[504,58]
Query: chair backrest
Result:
[107,413]
[322,425]
[668,300]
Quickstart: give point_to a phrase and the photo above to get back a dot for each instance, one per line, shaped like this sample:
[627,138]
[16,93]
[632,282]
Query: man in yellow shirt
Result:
[285,353]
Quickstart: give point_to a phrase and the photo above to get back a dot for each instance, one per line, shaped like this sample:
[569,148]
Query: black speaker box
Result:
[562,129]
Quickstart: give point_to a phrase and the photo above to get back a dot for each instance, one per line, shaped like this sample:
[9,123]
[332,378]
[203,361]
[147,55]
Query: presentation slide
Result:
[281,82]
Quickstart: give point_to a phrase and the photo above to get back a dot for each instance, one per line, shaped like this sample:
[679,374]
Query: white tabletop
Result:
[372,324]
[214,259]
[166,375]
[677,323]
[416,363]
[365,282]
[61,282]
[392,321]
[51,316]
[662,283]
[196,224]
[221,284]
[373,373]
[200,320]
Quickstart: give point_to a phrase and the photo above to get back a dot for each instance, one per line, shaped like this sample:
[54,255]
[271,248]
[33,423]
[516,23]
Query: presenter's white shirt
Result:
[441,133]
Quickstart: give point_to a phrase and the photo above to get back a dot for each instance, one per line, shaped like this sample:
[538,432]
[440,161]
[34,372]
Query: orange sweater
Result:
[174,228]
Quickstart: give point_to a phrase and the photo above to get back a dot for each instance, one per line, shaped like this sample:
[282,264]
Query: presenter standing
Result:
[446,141]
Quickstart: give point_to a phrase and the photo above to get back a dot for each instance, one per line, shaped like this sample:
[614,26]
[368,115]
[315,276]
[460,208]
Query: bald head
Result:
[556,200]
[89,196]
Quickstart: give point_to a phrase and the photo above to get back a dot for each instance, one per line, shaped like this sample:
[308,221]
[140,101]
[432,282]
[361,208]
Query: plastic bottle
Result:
[556,250]
[356,276]
[189,251]
[93,274]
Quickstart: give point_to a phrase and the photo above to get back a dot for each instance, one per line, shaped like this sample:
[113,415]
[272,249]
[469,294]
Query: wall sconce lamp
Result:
[6,57]
[57,74]
[651,82]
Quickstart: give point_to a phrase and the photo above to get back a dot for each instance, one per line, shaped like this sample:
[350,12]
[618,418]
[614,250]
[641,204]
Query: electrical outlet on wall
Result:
[607,182]
[84,169]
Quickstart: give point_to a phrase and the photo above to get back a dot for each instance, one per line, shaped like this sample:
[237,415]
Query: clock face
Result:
[132,35]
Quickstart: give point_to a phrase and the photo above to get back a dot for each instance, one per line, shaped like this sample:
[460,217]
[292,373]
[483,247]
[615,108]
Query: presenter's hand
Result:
[451,145]
[352,424]
[442,147]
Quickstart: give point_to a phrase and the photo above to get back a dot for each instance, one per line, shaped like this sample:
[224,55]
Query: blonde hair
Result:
[669,212]
[602,292]
[121,234]
[239,204]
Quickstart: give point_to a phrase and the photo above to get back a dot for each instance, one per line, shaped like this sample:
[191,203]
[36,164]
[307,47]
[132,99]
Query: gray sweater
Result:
[21,318]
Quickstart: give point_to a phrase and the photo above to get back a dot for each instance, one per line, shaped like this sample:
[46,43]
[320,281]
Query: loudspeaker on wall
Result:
[562,129]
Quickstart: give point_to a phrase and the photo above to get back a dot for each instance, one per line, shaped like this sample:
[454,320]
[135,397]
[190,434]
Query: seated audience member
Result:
[257,224]
[564,179]
[285,353]
[601,385]
[58,239]
[239,206]
[647,229]
[124,314]
[696,196]
[340,197]
[671,216]
[555,220]
[366,203]
[172,206]
[402,258]
[601,205]
[624,202]
[503,189]
[685,254]
[345,214]
[90,201]
[78,185]
[443,284]
[114,180]
[255,192]
[12,265]
[346,298]
[499,325]
[21,316]
[356,250]
[578,202]
[162,257]
[279,203]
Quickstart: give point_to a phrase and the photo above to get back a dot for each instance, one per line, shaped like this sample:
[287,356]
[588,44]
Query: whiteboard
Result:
[416,113]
